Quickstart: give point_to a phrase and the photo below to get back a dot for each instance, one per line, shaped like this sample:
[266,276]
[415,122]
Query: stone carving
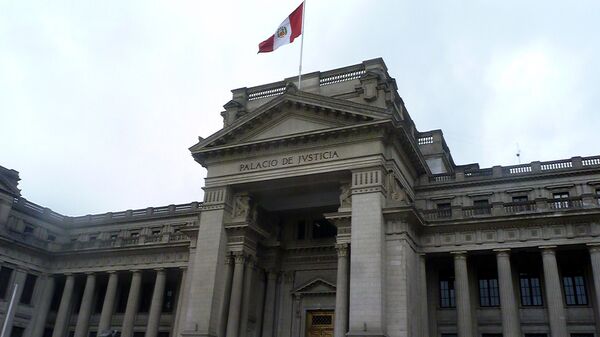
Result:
[242,206]
[345,196]
[395,190]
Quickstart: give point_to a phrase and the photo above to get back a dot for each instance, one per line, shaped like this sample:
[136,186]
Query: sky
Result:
[100,100]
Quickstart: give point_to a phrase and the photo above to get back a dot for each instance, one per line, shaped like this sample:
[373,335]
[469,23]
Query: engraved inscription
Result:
[289,160]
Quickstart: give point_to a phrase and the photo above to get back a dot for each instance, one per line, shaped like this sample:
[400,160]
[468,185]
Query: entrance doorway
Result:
[319,323]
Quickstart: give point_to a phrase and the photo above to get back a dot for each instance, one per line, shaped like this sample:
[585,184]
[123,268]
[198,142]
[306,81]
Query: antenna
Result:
[518,154]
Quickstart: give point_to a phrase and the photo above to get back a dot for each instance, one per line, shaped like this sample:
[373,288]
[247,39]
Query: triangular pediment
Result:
[315,286]
[292,114]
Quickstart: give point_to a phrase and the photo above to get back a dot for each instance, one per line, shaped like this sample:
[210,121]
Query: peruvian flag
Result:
[287,31]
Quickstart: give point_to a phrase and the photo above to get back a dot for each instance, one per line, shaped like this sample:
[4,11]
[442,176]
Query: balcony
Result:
[510,209]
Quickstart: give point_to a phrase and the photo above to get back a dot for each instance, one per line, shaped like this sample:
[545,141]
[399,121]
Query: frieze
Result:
[299,159]
[121,262]
[512,236]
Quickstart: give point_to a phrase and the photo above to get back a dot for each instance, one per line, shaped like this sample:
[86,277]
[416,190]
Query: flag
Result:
[287,31]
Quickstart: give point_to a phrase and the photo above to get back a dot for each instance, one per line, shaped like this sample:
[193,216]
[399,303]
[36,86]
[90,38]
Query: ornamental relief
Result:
[508,235]
[120,262]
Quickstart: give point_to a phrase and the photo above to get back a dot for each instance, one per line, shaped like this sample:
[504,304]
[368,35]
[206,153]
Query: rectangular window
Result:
[531,290]
[444,210]
[27,293]
[520,198]
[481,207]
[447,299]
[5,274]
[598,196]
[561,200]
[575,293]
[489,295]
[17,331]
[28,230]
[300,230]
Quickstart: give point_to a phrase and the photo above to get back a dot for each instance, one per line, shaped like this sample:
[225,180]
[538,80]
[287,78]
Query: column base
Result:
[196,334]
[365,334]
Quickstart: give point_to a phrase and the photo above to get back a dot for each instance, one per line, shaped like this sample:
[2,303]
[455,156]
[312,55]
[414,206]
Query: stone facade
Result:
[325,213]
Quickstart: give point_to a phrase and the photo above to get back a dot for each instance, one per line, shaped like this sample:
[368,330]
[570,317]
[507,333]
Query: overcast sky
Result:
[100,100]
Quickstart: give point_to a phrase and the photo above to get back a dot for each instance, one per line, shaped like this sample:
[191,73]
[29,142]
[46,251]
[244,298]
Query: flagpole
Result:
[301,46]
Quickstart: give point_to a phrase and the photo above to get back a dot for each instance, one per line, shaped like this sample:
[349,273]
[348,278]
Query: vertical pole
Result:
[301,46]
[9,311]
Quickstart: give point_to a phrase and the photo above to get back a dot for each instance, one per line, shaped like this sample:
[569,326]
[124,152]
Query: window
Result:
[598,196]
[113,236]
[488,293]
[5,274]
[17,331]
[322,229]
[575,293]
[155,231]
[135,234]
[28,230]
[300,230]
[560,200]
[444,210]
[531,290]
[27,293]
[481,207]
[447,299]
[93,238]
[520,198]
[51,237]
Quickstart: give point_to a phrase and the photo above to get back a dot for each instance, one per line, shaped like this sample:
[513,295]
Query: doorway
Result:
[319,323]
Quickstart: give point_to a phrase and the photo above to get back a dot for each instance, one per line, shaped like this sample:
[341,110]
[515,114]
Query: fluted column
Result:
[85,309]
[182,294]
[341,292]
[423,303]
[269,315]
[62,316]
[132,304]
[226,295]
[156,304]
[463,297]
[595,259]
[511,325]
[233,321]
[108,305]
[554,298]
[44,307]
[248,277]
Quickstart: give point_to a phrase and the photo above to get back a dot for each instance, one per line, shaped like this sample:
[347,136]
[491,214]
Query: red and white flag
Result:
[287,31]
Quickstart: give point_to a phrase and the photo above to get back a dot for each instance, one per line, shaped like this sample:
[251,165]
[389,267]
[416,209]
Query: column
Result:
[226,295]
[341,292]
[595,260]
[62,316]
[367,261]
[83,318]
[204,302]
[233,321]
[554,297]
[248,277]
[269,313]
[156,304]
[108,306]
[44,307]
[132,304]
[19,279]
[511,324]
[463,297]
[182,294]
[423,303]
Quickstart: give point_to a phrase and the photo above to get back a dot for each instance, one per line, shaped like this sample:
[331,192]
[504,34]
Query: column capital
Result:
[90,273]
[239,257]
[594,247]
[159,269]
[459,255]
[502,252]
[135,271]
[549,249]
[342,249]
[112,272]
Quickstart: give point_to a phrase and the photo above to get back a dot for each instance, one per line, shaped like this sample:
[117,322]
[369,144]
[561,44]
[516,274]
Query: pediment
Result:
[292,114]
[315,286]
[291,123]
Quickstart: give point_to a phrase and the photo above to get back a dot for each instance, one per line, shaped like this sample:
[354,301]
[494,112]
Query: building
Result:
[326,212]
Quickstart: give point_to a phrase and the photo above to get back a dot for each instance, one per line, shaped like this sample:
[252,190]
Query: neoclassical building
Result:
[325,213]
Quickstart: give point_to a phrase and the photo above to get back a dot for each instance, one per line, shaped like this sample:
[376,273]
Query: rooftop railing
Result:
[518,170]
